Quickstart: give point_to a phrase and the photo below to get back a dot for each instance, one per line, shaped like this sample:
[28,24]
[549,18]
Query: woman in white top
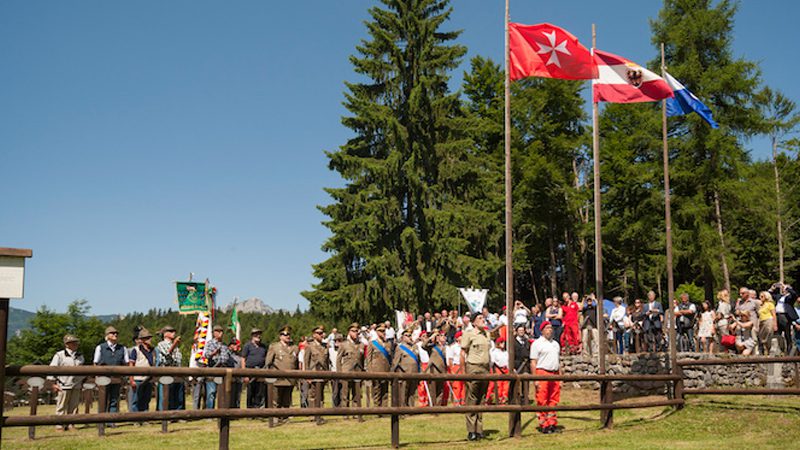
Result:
[706,328]
[617,324]
[521,314]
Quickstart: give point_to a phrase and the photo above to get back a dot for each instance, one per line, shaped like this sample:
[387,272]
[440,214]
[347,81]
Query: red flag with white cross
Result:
[547,51]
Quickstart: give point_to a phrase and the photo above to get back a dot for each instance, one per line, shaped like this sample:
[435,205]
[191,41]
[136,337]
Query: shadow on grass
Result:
[732,406]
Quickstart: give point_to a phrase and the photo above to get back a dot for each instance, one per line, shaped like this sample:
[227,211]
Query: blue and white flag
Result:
[685,102]
[475,298]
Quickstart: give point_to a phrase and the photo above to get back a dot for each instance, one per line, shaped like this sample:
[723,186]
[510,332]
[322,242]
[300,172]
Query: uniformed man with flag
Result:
[406,360]
[379,359]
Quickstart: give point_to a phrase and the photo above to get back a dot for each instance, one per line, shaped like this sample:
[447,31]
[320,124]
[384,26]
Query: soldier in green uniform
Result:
[379,359]
[406,360]
[316,359]
[282,355]
[475,346]
[437,363]
[350,358]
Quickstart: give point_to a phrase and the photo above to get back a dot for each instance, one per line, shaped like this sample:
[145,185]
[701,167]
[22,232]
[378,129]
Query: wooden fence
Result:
[225,414]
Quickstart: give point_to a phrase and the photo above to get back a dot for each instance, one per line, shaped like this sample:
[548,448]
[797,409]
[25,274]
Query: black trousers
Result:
[785,330]
[256,391]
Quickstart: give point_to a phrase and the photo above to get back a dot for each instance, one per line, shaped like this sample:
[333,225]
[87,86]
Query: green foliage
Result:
[696,293]
[37,344]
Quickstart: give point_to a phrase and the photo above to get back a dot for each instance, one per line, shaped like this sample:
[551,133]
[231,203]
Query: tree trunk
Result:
[533,287]
[723,250]
[572,280]
[778,205]
[553,275]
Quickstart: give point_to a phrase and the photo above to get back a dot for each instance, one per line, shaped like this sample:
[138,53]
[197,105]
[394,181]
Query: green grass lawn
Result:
[705,422]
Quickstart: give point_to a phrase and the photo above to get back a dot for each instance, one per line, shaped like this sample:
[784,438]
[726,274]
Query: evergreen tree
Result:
[407,228]
[707,164]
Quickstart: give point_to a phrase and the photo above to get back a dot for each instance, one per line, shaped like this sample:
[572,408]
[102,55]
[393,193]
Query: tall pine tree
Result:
[407,228]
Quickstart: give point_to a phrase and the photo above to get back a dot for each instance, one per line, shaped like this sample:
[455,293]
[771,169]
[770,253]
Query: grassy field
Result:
[706,422]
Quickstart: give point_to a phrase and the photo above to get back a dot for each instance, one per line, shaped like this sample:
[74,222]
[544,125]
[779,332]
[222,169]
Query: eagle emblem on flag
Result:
[634,76]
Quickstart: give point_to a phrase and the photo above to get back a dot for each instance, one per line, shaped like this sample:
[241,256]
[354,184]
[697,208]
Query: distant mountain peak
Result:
[251,305]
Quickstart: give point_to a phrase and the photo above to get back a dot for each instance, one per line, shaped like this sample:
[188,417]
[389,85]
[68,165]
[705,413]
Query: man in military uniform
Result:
[438,364]
[475,359]
[350,358]
[282,355]
[379,359]
[316,359]
[406,360]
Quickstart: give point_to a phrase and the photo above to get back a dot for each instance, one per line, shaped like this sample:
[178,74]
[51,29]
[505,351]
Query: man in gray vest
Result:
[67,386]
[111,353]
[142,356]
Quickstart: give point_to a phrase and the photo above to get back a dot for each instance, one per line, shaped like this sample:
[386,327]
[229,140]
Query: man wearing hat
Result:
[282,355]
[406,360]
[316,359]
[216,358]
[168,354]
[111,353]
[67,386]
[379,359]
[545,361]
[437,363]
[142,356]
[254,355]
[475,346]
[349,359]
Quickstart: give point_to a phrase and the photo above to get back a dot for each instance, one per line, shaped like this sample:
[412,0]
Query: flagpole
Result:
[673,351]
[514,419]
[605,388]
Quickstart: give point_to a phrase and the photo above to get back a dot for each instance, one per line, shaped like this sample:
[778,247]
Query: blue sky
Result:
[144,140]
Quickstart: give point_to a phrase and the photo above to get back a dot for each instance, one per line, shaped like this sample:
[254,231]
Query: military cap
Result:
[110,329]
[167,328]
[407,332]
[319,329]
[144,334]
[286,329]
[380,327]
[218,328]
[255,331]
[70,338]
[353,326]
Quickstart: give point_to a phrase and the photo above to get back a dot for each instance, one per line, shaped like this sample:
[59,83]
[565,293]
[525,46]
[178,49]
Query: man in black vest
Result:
[522,351]
[111,353]
[254,355]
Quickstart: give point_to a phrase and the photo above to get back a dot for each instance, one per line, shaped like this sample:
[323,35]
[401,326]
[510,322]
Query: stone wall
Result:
[745,375]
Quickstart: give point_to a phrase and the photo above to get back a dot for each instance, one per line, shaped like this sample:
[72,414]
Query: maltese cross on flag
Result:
[547,51]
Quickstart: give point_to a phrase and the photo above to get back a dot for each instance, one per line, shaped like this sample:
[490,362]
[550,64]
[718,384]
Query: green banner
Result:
[192,297]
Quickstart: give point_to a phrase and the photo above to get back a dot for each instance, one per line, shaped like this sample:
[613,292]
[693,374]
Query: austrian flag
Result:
[624,81]
[547,51]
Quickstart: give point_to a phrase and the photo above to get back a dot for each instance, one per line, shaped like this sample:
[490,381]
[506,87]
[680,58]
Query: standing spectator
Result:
[767,322]
[316,359]
[706,328]
[617,324]
[454,366]
[636,314]
[723,313]
[68,387]
[750,305]
[589,334]
[654,319]
[111,353]
[571,337]
[254,356]
[142,356]
[301,356]
[332,357]
[168,354]
[786,315]
[742,327]
[329,340]
[554,315]
[215,358]
[423,388]
[521,313]
[522,351]
[428,324]
[282,355]
[235,360]
[538,316]
[476,360]
[502,319]
[390,333]
[545,361]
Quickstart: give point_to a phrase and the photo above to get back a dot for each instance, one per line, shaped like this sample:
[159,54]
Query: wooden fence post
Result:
[34,400]
[515,418]
[395,418]
[225,422]
[270,399]
[606,398]
[163,404]
[101,408]
[679,385]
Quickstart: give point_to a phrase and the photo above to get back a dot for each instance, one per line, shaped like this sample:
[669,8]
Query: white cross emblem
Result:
[553,49]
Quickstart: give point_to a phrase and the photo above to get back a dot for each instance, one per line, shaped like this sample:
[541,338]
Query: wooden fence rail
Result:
[224,413]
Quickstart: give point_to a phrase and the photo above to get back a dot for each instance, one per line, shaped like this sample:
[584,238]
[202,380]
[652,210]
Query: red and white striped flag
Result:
[624,81]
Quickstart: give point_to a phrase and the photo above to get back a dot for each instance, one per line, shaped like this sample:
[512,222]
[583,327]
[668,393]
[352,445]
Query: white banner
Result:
[475,298]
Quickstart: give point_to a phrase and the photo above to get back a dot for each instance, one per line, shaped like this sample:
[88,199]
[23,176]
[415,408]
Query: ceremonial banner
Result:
[235,326]
[685,102]
[547,51]
[202,329]
[624,81]
[475,298]
[192,297]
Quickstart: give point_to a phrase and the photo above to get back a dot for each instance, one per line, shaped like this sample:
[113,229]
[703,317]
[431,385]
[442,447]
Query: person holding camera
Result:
[742,327]
[168,354]
[786,315]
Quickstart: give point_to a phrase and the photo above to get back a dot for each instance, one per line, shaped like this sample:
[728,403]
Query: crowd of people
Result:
[441,342]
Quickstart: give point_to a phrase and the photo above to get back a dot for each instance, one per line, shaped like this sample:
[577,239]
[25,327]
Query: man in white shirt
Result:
[111,353]
[389,333]
[545,361]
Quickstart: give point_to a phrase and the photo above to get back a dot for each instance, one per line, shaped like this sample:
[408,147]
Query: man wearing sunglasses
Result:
[111,353]
[282,355]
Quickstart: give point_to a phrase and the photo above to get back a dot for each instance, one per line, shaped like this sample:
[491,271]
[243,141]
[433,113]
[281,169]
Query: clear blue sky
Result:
[143,140]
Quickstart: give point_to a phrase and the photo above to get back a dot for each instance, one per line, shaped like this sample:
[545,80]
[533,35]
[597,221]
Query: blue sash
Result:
[383,350]
[411,354]
[439,351]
